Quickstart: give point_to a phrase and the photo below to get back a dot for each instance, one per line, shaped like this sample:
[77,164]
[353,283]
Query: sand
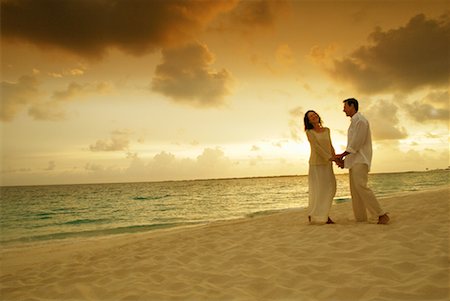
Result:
[269,257]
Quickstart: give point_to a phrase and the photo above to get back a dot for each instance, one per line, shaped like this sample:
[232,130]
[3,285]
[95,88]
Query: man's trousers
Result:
[363,198]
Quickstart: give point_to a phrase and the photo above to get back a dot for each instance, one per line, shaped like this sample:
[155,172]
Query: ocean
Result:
[42,213]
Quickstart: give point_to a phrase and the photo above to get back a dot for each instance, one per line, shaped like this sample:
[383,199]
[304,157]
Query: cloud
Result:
[49,111]
[211,163]
[25,95]
[72,89]
[51,166]
[119,141]
[247,16]
[296,123]
[409,57]
[185,77]
[16,96]
[279,143]
[384,122]
[70,72]
[53,109]
[253,13]
[93,167]
[400,160]
[433,107]
[213,158]
[89,28]
[284,55]
[320,55]
[75,89]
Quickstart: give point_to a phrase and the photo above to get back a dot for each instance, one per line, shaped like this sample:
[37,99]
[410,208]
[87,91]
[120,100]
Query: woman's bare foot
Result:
[329,221]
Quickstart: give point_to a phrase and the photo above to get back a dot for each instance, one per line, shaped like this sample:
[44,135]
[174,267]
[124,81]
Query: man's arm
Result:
[340,156]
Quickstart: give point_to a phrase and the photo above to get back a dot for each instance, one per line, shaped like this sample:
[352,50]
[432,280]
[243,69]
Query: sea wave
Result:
[150,198]
[94,233]
[86,221]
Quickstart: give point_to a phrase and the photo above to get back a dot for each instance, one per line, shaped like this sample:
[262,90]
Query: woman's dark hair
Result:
[352,102]
[309,125]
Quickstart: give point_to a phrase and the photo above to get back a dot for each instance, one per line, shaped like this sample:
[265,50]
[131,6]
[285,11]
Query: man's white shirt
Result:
[359,142]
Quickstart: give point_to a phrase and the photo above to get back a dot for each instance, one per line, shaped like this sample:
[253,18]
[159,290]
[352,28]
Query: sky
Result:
[96,91]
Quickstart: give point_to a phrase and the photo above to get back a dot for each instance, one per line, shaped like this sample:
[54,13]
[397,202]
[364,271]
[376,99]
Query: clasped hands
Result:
[339,160]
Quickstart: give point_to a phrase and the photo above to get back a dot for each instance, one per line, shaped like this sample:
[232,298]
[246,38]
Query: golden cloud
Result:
[185,77]
[25,95]
[119,141]
[433,107]
[16,96]
[385,126]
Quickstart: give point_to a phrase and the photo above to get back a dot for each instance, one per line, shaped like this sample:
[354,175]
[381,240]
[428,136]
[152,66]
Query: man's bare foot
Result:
[309,218]
[329,221]
[383,219]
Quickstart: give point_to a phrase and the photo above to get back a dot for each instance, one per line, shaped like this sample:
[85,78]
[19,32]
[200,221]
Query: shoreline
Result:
[269,257]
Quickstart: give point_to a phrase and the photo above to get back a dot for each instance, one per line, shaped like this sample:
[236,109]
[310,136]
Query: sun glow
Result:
[214,100]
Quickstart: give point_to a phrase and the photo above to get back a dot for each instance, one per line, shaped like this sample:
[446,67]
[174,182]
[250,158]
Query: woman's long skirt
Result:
[322,189]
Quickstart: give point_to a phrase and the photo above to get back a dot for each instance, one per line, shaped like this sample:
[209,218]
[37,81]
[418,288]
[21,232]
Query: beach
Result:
[276,256]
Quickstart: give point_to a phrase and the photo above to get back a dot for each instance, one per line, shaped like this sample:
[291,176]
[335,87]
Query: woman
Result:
[321,179]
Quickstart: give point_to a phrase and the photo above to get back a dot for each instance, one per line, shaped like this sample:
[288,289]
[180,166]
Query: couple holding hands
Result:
[357,157]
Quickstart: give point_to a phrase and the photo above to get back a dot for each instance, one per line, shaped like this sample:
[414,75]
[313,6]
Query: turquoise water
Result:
[39,213]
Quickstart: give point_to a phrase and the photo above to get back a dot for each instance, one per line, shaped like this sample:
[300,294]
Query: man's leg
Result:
[360,177]
[359,209]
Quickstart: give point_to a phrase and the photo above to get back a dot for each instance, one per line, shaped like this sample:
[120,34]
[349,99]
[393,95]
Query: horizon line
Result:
[213,179]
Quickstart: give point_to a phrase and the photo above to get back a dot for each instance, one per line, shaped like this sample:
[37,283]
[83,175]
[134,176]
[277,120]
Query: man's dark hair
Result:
[352,102]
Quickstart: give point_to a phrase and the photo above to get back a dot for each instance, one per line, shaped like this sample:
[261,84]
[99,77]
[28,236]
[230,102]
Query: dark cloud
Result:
[90,27]
[185,76]
[257,13]
[402,59]
[433,107]
[250,15]
[384,122]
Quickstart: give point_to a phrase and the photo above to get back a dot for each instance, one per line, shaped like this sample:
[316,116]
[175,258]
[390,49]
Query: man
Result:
[357,158]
